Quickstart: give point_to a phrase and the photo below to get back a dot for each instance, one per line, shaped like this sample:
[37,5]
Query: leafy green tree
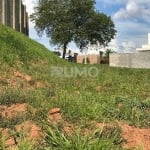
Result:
[82,11]
[98,29]
[52,17]
[72,20]
[108,51]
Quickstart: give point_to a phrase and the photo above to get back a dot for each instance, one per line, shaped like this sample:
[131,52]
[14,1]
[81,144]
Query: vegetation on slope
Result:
[116,94]
[16,47]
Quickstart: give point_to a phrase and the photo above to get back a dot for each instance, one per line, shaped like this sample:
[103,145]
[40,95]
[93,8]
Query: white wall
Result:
[133,60]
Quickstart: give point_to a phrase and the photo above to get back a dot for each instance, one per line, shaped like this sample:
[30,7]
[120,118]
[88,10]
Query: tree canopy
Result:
[72,20]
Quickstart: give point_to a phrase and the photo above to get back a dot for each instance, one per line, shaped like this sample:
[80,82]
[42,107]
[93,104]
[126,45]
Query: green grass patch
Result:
[121,94]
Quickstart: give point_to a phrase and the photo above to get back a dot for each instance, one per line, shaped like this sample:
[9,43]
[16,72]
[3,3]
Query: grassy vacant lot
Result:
[115,94]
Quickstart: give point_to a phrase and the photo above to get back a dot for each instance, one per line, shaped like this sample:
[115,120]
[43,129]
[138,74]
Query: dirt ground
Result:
[134,137]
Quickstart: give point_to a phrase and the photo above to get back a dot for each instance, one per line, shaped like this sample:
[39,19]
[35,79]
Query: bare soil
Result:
[134,137]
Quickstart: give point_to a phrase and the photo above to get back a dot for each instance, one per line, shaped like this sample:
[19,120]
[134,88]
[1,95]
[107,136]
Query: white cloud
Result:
[112,2]
[132,22]
[134,9]
[120,14]
[128,46]
[131,34]
[30,5]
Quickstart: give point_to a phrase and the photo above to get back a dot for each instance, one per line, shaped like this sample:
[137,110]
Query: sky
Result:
[131,19]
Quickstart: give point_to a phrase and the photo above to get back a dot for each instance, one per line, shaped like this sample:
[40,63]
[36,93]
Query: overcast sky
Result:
[131,19]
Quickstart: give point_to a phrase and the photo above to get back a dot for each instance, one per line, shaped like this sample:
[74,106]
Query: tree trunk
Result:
[64,50]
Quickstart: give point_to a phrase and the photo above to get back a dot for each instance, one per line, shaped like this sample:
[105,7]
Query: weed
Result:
[56,139]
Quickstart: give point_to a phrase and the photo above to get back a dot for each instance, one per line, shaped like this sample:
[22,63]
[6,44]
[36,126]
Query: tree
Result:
[72,20]
[98,29]
[52,16]
[108,51]
[82,11]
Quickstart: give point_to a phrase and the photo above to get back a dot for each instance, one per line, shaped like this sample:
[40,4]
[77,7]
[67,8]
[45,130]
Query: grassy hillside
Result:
[15,46]
[17,50]
[114,95]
